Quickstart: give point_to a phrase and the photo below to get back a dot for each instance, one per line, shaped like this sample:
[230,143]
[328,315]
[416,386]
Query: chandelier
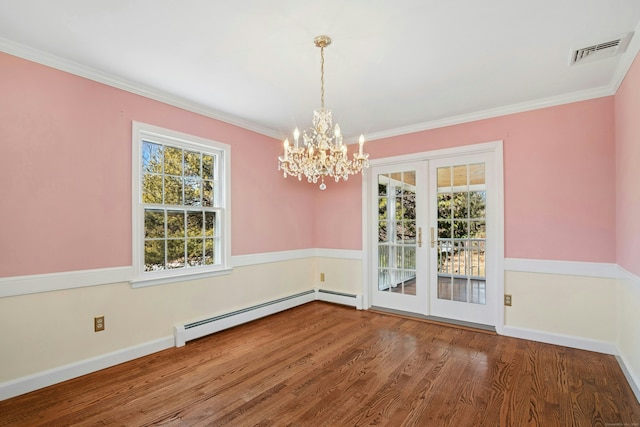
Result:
[322,152]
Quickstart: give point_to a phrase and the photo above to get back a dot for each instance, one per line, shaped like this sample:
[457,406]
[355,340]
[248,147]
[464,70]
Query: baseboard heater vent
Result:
[201,328]
[339,298]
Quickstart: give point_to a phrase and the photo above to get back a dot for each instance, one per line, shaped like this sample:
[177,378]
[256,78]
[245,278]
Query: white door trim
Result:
[495,147]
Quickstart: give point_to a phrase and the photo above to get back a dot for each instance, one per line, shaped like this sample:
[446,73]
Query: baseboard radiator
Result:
[339,298]
[201,328]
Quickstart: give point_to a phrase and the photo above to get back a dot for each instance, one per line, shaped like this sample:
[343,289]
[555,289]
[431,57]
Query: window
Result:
[180,206]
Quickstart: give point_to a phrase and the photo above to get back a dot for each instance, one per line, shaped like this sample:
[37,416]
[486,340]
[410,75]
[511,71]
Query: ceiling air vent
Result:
[601,50]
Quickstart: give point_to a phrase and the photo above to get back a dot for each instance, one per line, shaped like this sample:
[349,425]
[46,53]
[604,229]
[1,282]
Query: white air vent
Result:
[601,50]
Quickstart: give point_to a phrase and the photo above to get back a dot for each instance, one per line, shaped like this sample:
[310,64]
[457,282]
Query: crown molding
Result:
[53,61]
[496,112]
[22,51]
[626,60]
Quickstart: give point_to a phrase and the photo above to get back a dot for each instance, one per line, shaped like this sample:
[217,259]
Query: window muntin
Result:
[180,204]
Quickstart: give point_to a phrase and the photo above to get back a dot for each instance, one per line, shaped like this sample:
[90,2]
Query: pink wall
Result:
[627,132]
[65,174]
[338,211]
[65,171]
[559,181]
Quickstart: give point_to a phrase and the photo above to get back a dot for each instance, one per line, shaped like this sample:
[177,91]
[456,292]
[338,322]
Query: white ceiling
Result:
[394,65]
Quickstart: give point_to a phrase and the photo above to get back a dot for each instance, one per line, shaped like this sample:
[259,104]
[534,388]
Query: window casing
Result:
[181,201]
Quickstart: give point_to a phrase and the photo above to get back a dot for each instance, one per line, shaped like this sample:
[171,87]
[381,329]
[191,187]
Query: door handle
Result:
[433,239]
[419,237]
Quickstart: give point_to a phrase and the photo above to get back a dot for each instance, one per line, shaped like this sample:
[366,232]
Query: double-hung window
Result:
[181,201]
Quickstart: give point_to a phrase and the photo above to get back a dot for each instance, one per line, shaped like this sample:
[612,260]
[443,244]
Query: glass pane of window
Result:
[152,155]
[175,224]
[173,161]
[476,174]
[383,235]
[207,167]
[444,205]
[191,164]
[397,177]
[192,192]
[444,177]
[154,255]
[399,208]
[409,231]
[175,253]
[444,229]
[460,176]
[209,223]
[152,188]
[172,190]
[477,230]
[383,256]
[383,183]
[382,208]
[410,257]
[409,181]
[444,287]
[195,251]
[460,229]
[460,290]
[209,255]
[153,223]
[207,193]
[477,204]
[194,224]
[460,205]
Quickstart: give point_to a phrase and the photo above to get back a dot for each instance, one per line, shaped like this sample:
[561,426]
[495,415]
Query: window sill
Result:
[143,282]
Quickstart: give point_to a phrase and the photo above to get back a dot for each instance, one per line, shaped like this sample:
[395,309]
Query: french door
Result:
[400,210]
[433,235]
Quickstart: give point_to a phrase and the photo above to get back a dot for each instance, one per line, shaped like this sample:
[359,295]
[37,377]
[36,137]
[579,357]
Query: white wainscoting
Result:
[578,269]
[24,285]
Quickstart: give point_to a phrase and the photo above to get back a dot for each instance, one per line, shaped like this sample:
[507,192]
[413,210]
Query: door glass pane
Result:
[461,238]
[397,232]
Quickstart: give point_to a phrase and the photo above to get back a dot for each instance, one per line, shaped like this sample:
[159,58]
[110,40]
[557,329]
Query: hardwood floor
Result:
[326,365]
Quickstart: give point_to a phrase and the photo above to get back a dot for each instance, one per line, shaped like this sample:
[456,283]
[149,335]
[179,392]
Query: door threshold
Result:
[476,327]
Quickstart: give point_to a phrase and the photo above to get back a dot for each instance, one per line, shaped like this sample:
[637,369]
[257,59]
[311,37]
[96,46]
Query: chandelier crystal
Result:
[322,152]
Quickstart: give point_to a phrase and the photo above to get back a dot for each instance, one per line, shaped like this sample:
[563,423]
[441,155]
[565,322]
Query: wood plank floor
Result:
[326,365]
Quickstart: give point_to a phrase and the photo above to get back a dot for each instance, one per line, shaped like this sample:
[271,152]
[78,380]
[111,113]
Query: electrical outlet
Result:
[507,300]
[98,323]
[322,277]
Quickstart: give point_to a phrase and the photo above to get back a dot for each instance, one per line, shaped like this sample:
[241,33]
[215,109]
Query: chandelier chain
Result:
[322,77]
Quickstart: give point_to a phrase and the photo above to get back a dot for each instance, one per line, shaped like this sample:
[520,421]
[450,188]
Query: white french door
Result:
[398,198]
[460,210]
[433,236]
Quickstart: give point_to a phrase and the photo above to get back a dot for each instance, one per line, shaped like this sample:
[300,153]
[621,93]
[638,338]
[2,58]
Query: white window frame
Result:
[145,132]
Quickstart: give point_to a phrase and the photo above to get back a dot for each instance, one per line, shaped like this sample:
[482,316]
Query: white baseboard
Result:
[559,339]
[49,377]
[633,381]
